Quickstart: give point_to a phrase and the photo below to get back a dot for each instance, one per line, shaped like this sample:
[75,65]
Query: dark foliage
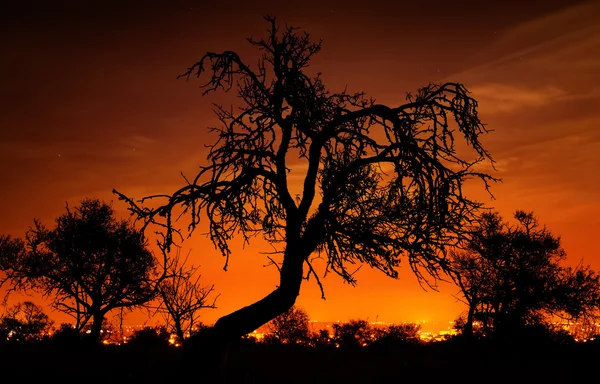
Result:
[291,327]
[322,338]
[89,264]
[396,335]
[149,337]
[67,337]
[24,322]
[354,333]
[512,279]
[259,363]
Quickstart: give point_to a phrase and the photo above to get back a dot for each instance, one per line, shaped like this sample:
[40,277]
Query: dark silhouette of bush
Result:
[545,334]
[354,333]
[291,327]
[199,331]
[200,336]
[396,335]
[149,337]
[322,339]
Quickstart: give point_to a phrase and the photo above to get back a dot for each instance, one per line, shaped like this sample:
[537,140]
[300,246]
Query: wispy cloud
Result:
[567,33]
[538,89]
[552,58]
[495,97]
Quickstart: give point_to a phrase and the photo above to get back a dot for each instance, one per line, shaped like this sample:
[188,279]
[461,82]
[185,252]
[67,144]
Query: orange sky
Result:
[89,102]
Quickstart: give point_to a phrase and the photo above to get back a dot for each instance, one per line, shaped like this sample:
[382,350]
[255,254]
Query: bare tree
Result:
[380,183]
[182,297]
[89,264]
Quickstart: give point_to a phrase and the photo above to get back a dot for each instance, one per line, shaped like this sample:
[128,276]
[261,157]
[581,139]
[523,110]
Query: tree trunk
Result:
[214,345]
[179,329]
[95,332]
[468,329]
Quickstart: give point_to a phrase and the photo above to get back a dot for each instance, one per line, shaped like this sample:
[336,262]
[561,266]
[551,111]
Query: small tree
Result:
[24,322]
[149,337]
[291,327]
[89,264]
[354,333]
[380,183]
[407,333]
[182,297]
[578,294]
[474,275]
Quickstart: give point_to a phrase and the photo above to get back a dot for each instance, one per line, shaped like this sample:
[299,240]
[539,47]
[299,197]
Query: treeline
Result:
[293,327]
[511,278]
[352,352]
[27,323]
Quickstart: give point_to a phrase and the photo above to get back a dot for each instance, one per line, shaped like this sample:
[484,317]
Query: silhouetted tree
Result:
[24,321]
[379,183]
[182,297]
[354,333]
[200,329]
[291,327]
[511,277]
[578,293]
[89,264]
[398,334]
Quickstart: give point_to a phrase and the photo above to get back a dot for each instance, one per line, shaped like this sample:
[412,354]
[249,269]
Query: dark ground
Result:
[443,362]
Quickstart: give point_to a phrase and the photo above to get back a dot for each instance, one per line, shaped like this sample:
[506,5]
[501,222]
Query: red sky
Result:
[89,102]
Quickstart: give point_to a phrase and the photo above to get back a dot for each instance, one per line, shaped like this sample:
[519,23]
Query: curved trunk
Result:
[247,319]
[231,327]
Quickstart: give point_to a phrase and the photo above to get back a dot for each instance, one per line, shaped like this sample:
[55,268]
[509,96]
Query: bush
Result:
[354,333]
[24,322]
[398,334]
[149,337]
[291,327]
[66,336]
